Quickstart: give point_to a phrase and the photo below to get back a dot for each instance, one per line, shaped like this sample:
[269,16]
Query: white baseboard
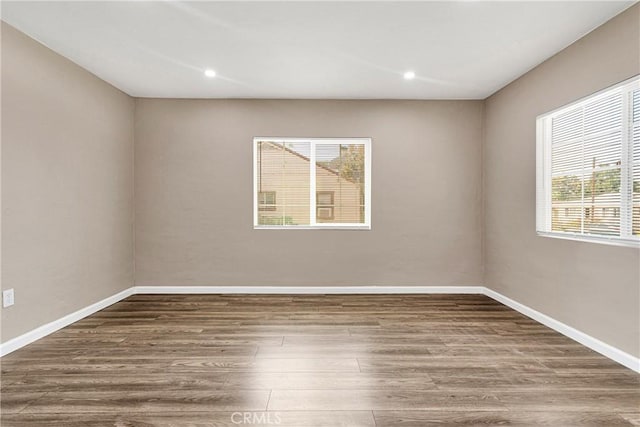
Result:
[294,290]
[595,344]
[49,328]
[44,330]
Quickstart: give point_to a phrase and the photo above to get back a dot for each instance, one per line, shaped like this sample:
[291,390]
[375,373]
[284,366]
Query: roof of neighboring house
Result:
[289,150]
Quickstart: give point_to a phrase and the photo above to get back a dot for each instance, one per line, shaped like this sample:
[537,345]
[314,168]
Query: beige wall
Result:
[194,212]
[592,287]
[67,185]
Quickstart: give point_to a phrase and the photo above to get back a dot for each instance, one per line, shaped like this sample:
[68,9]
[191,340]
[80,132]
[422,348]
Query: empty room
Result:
[320,213]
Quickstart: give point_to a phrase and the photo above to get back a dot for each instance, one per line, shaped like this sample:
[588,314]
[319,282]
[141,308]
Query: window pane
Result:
[598,210]
[566,203]
[266,200]
[602,158]
[586,156]
[636,200]
[283,177]
[325,198]
[635,144]
[340,171]
[602,202]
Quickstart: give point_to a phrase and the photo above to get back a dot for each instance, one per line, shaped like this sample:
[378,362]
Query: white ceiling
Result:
[459,50]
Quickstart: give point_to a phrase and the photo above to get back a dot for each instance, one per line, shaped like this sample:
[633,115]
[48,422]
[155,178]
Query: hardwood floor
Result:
[325,360]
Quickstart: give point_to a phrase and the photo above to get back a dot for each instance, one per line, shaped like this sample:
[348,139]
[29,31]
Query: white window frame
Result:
[544,178]
[366,142]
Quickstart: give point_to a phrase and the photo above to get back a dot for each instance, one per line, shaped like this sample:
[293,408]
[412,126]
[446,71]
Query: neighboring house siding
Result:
[346,198]
[602,214]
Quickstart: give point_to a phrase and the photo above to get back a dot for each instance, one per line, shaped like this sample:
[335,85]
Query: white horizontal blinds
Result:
[340,183]
[588,157]
[635,162]
[586,144]
[602,163]
[566,171]
[282,183]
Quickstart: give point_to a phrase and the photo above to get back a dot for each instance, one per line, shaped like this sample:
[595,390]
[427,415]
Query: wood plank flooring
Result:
[313,360]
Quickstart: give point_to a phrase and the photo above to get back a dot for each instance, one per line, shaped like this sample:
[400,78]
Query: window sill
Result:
[314,227]
[613,241]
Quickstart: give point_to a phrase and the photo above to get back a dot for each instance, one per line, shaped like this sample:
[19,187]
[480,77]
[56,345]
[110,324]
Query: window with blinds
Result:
[588,168]
[312,183]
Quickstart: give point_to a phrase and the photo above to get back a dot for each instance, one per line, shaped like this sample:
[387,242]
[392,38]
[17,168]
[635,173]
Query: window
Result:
[267,201]
[319,182]
[324,208]
[588,168]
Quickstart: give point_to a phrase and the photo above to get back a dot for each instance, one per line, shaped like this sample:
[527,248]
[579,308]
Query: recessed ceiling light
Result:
[409,75]
[209,73]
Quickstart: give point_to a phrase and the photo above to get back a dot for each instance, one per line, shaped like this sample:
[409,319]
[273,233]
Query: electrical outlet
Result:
[7,298]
